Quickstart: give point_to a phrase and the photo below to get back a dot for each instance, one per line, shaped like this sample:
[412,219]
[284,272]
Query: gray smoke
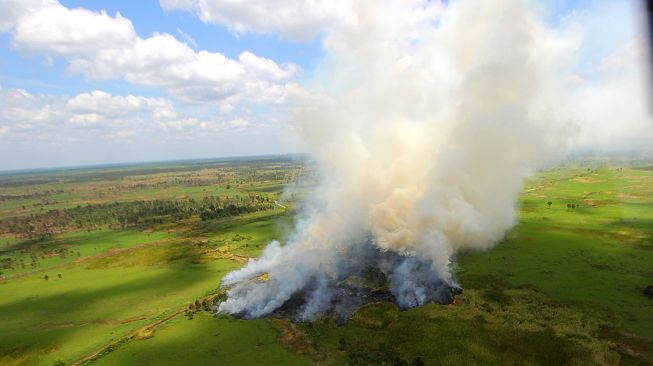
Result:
[425,120]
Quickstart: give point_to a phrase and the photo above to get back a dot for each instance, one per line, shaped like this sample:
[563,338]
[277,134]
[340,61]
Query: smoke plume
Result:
[424,120]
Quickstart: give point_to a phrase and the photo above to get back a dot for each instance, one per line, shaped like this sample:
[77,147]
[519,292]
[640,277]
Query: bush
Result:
[648,291]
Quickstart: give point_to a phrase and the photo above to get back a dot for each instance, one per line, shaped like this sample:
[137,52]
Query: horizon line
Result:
[140,162]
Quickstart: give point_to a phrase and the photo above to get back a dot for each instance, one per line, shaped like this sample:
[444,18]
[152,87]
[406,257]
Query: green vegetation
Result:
[107,259]
[598,252]
[207,340]
[121,266]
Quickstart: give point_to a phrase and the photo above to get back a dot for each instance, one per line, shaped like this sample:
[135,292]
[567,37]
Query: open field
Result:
[566,286]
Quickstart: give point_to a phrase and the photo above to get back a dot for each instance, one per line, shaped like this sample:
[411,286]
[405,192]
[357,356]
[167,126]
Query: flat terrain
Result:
[119,265]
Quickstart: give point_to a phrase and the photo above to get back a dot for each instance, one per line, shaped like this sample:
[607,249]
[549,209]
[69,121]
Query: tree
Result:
[648,291]
[342,343]
[46,277]
[549,203]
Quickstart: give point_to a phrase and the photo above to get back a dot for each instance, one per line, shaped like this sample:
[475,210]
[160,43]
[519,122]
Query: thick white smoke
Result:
[424,120]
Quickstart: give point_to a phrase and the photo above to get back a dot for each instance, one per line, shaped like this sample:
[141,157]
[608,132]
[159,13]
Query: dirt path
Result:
[146,331]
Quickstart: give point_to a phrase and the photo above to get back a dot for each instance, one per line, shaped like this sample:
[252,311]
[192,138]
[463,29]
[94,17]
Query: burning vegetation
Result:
[422,146]
[366,275]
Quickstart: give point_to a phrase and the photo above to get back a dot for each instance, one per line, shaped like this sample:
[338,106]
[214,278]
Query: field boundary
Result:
[147,328]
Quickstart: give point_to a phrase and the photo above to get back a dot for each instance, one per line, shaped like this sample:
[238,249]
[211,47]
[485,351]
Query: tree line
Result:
[142,213]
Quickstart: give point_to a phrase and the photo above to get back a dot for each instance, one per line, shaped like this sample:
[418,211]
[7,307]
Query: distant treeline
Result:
[14,197]
[133,213]
[85,174]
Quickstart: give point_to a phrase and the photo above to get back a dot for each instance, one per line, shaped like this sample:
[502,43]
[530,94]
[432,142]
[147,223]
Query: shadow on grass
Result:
[205,340]
[44,323]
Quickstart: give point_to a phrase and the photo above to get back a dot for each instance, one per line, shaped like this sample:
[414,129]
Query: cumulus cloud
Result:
[100,46]
[12,10]
[24,115]
[21,111]
[101,102]
[297,20]
[71,32]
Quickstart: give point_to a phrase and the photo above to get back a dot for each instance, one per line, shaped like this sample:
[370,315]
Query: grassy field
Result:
[600,252]
[566,286]
[207,340]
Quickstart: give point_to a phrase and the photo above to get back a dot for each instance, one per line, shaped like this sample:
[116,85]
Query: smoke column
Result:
[424,120]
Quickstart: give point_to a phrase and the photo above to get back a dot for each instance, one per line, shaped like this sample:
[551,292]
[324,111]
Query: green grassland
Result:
[566,285]
[208,340]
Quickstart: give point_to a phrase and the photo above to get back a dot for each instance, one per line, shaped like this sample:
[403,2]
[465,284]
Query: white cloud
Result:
[298,20]
[88,119]
[187,37]
[72,32]
[609,99]
[97,114]
[114,106]
[100,46]
[20,110]
[12,10]
[190,125]
[613,106]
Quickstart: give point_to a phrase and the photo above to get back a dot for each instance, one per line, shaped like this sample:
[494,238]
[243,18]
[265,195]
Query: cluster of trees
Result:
[569,205]
[213,207]
[207,304]
[173,182]
[15,263]
[132,213]
[46,193]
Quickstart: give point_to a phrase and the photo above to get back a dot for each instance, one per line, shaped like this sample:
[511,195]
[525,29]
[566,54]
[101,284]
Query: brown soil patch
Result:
[591,203]
[295,339]
[629,345]
[223,253]
[630,196]
[145,333]
[141,333]
[583,180]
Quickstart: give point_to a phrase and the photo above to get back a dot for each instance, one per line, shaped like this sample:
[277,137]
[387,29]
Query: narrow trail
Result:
[148,328]
[139,332]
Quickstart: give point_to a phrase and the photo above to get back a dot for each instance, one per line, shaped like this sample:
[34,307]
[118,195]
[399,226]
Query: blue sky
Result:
[82,87]
[30,71]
